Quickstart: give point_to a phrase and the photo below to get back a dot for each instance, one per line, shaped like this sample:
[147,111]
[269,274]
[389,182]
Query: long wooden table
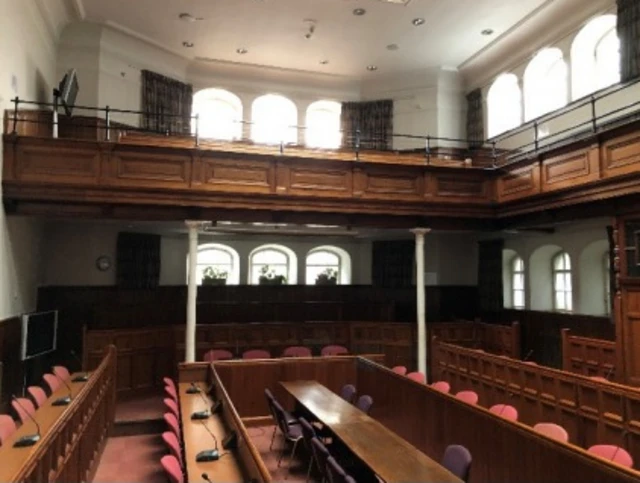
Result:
[388,455]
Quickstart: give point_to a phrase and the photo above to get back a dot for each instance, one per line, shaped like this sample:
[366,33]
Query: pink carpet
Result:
[132,459]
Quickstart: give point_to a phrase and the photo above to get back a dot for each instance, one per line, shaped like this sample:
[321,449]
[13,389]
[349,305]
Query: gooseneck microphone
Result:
[80,377]
[61,401]
[526,358]
[204,414]
[205,477]
[28,439]
[209,454]
[193,389]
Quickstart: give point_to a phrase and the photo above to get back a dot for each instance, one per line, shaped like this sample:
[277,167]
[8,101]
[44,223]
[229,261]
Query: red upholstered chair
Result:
[442,386]
[256,354]
[172,406]
[469,397]
[171,393]
[296,351]
[334,350]
[553,431]
[505,411]
[417,376]
[38,395]
[169,382]
[22,407]
[52,382]
[173,445]
[173,424]
[7,427]
[612,453]
[172,468]
[400,370]
[62,372]
[218,355]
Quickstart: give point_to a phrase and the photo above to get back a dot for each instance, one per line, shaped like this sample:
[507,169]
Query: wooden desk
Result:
[196,438]
[388,455]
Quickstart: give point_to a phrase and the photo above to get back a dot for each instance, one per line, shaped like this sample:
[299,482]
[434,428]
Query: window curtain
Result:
[475,119]
[374,120]
[392,263]
[629,34]
[138,260]
[490,275]
[166,104]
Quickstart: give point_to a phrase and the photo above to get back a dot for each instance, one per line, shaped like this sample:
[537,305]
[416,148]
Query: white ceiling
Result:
[273,31]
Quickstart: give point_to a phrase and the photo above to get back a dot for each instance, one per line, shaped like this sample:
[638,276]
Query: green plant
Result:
[328,276]
[214,276]
[268,276]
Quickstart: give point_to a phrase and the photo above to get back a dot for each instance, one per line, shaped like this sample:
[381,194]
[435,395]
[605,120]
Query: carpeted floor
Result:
[132,459]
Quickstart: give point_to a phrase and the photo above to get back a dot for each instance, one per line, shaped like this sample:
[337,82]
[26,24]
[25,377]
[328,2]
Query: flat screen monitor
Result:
[39,333]
[68,91]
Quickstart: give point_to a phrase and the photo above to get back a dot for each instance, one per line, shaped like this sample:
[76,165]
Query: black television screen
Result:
[68,91]
[39,333]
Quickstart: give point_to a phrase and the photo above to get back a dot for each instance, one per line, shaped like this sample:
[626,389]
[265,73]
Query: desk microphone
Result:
[61,401]
[526,358]
[608,374]
[193,389]
[209,454]
[29,439]
[81,377]
[201,414]
[205,477]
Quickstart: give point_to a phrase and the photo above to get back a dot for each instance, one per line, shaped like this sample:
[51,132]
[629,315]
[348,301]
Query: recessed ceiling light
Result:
[187,44]
[324,62]
[241,51]
[372,67]
[417,21]
[359,11]
[392,47]
[487,32]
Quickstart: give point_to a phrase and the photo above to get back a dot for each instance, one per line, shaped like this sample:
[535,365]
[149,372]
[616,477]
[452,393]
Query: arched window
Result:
[595,56]
[274,120]
[562,290]
[326,263]
[517,282]
[220,114]
[323,125]
[220,261]
[545,83]
[273,261]
[504,102]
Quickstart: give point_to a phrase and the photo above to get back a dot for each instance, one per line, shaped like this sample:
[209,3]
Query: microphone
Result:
[201,414]
[526,358]
[205,477]
[209,454]
[81,377]
[29,439]
[608,374]
[61,401]
[193,389]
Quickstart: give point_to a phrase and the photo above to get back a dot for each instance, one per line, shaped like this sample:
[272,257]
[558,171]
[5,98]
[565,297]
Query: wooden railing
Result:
[589,357]
[592,412]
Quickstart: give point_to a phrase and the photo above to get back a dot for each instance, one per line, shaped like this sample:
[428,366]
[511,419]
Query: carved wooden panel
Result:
[631,341]
[69,164]
[237,175]
[136,168]
[519,183]
[390,183]
[570,169]
[461,185]
[621,155]
[318,179]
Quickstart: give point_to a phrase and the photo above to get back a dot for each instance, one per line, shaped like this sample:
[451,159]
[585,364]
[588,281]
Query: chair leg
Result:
[284,448]
[273,437]
[311,461]
[293,452]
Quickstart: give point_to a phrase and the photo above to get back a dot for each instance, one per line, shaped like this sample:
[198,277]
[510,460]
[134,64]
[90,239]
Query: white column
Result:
[422,328]
[192,292]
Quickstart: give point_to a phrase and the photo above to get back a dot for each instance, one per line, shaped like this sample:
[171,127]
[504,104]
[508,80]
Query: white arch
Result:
[314,267]
[217,256]
[269,255]
[594,280]
[595,56]
[323,125]
[504,105]
[540,277]
[274,119]
[545,83]
[219,112]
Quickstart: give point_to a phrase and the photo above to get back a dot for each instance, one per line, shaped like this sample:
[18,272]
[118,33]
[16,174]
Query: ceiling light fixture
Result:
[371,68]
[359,12]
[417,21]
[187,17]
[487,32]
[324,62]
[392,47]
[188,45]
[241,51]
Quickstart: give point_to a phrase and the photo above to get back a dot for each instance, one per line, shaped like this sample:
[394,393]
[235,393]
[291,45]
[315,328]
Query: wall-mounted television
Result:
[68,91]
[39,333]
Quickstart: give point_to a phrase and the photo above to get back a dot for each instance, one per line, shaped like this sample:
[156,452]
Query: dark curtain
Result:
[612,271]
[392,263]
[475,119]
[629,34]
[490,275]
[166,104]
[374,120]
[138,260]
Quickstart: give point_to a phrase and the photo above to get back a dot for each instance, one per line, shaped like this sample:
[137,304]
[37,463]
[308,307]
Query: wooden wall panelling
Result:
[318,179]
[462,186]
[631,335]
[588,356]
[30,122]
[395,340]
[570,169]
[11,367]
[231,173]
[518,183]
[389,183]
[620,155]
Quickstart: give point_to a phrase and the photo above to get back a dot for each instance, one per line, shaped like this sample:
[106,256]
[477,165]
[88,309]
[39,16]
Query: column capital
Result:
[420,231]
[197,224]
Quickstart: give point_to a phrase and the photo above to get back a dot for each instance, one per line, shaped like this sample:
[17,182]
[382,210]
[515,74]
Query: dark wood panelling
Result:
[29,122]
[588,356]
[620,155]
[140,169]
[390,183]
[569,170]
[450,185]
[12,368]
[237,174]
[518,183]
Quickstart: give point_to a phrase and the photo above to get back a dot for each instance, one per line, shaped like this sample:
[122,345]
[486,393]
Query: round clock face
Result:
[103,263]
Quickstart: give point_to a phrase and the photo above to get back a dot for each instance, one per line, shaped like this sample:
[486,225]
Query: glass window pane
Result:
[569,302]
[323,258]
[559,282]
[518,298]
[560,300]
[566,261]
[269,257]
[518,281]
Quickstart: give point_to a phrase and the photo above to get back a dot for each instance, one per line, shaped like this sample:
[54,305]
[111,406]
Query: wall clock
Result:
[103,263]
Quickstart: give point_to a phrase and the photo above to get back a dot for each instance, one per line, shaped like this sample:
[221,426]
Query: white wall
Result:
[28,51]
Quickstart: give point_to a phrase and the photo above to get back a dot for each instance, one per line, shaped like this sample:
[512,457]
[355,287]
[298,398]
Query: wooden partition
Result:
[592,412]
[11,366]
[72,437]
[589,357]
[495,338]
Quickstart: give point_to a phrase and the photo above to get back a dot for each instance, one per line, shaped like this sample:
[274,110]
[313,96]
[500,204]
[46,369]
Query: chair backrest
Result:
[270,400]
[52,382]
[169,382]
[218,355]
[335,472]
[62,372]
[321,455]
[7,427]
[173,445]
[505,410]
[553,431]
[308,433]
[38,395]
[417,376]
[442,386]
[457,460]
[334,350]
[171,392]
[172,406]
[172,468]
[22,407]
[256,354]
[400,370]
[281,418]
[613,453]
[470,397]
[297,351]
[173,424]
[348,392]
[364,403]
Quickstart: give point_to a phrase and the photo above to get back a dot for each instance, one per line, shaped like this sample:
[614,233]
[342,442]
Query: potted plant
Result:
[268,277]
[328,276]
[214,276]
